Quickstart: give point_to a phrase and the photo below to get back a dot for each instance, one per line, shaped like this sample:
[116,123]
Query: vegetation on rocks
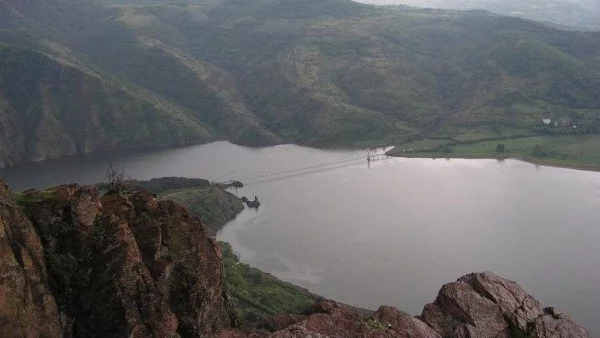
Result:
[476,305]
[164,184]
[209,201]
[212,204]
[257,295]
[252,294]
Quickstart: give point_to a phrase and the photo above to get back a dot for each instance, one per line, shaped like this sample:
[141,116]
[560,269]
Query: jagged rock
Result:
[459,311]
[408,325]
[486,305]
[137,267]
[233,333]
[251,204]
[4,189]
[27,306]
[556,324]
[332,319]
[281,321]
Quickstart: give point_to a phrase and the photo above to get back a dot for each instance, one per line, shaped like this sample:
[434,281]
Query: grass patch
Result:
[374,324]
[563,150]
[163,184]
[212,204]
[255,294]
[25,198]
[421,145]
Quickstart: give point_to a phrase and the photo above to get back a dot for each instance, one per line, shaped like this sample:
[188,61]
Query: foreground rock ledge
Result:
[78,264]
[478,305]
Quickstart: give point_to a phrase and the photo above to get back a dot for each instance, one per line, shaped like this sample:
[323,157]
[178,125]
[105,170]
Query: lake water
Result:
[392,232]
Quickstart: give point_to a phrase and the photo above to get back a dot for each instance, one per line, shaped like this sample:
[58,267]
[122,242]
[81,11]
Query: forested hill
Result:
[258,72]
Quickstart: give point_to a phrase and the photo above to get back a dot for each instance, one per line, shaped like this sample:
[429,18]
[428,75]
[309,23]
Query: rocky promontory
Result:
[80,263]
[478,305]
[76,263]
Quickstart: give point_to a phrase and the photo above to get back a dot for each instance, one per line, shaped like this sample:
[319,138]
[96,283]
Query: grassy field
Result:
[577,151]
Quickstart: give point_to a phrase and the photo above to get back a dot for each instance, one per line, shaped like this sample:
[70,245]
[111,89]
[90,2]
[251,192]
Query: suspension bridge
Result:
[261,176]
[377,157]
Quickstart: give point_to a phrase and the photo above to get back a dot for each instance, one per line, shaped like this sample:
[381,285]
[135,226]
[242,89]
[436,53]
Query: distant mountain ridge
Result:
[570,14]
[50,108]
[260,72]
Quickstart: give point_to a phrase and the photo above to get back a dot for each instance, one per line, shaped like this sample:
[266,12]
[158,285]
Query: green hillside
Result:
[50,108]
[325,73]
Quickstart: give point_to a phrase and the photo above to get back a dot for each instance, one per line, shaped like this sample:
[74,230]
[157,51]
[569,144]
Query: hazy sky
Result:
[480,2]
[392,2]
[582,14]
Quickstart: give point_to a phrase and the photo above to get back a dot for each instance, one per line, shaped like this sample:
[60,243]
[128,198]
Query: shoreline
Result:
[540,162]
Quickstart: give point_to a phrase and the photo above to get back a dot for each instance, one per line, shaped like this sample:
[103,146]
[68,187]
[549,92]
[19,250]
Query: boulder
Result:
[404,324]
[255,204]
[280,321]
[486,305]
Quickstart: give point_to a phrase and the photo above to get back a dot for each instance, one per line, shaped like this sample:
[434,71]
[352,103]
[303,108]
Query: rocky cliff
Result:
[27,306]
[117,265]
[78,263]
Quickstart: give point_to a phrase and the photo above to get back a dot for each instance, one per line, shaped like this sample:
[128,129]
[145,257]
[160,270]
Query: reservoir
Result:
[391,232]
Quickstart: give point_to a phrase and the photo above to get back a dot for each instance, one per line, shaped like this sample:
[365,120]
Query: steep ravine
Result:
[80,263]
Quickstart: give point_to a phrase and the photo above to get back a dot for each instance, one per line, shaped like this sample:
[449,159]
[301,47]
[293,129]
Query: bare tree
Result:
[115,178]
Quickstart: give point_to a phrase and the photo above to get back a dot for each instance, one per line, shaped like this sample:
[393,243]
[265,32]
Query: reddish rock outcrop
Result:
[479,305]
[556,324]
[27,307]
[486,305]
[281,321]
[128,265]
[331,319]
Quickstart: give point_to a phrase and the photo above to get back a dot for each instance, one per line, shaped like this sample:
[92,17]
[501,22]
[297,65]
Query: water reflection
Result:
[390,231]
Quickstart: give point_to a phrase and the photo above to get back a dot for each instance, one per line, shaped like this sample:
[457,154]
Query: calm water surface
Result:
[394,232]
